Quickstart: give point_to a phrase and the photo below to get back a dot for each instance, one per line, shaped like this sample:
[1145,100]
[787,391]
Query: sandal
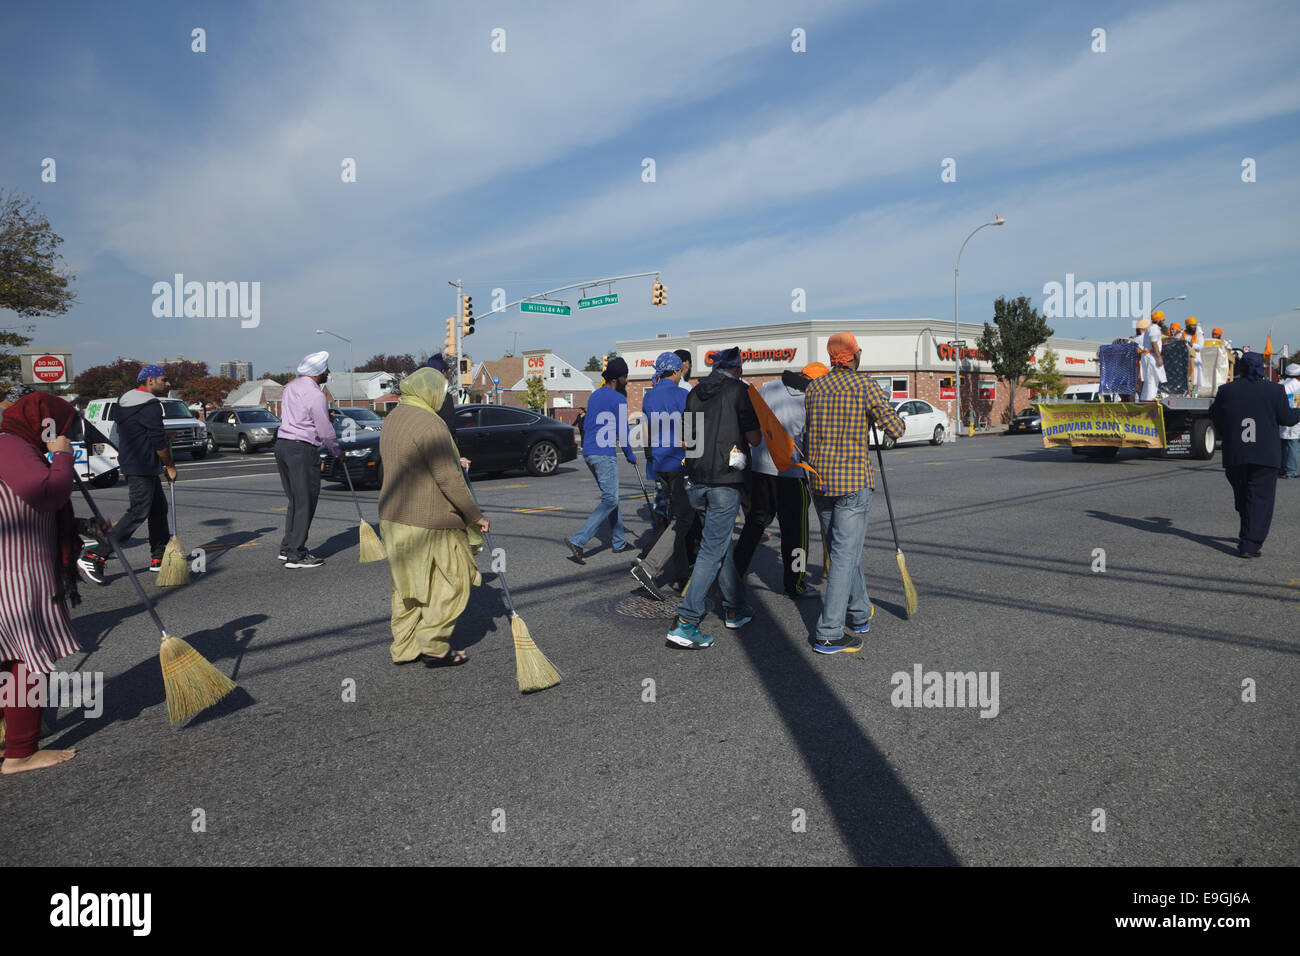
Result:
[450,659]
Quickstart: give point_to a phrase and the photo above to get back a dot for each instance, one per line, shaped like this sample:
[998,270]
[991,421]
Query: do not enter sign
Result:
[48,368]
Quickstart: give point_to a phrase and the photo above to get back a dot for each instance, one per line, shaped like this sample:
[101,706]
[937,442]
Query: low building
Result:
[505,382]
[910,358]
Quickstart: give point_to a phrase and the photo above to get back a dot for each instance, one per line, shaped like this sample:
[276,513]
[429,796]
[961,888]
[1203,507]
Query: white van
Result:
[1090,392]
[184,431]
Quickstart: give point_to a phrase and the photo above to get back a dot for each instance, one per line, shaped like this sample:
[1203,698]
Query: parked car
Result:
[248,429]
[923,421]
[1030,420]
[363,418]
[360,455]
[184,431]
[496,438]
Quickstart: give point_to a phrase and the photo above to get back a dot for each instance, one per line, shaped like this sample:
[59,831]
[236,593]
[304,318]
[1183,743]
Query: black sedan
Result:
[1030,420]
[497,438]
[360,455]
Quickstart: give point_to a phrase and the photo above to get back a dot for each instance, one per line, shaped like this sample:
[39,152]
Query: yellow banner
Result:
[1122,424]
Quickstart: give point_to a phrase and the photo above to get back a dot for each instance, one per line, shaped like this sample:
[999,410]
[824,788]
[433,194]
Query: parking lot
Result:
[1118,690]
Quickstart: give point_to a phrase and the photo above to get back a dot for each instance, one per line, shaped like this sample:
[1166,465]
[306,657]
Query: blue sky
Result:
[522,170]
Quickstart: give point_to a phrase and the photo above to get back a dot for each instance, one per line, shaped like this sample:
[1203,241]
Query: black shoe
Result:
[809,591]
[1249,554]
[285,557]
[306,561]
[91,567]
[647,580]
[627,546]
[575,551]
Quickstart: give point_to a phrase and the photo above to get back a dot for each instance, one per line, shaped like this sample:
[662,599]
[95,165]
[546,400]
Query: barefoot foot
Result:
[37,761]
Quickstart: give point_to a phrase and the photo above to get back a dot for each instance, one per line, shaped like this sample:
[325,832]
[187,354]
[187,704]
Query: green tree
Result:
[11,366]
[593,364]
[280,378]
[31,282]
[535,396]
[1047,379]
[1018,329]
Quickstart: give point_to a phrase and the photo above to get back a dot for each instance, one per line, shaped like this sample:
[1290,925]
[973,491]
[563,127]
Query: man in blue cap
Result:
[606,432]
[143,456]
[723,425]
[1247,413]
[662,410]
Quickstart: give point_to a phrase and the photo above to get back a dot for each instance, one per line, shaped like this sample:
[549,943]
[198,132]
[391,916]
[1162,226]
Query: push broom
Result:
[909,590]
[191,682]
[532,669]
[175,569]
[372,549]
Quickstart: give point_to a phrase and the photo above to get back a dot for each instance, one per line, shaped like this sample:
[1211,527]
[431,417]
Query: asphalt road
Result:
[1118,691]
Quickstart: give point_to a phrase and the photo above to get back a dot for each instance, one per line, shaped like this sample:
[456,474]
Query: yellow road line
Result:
[511,486]
[533,511]
[977,459]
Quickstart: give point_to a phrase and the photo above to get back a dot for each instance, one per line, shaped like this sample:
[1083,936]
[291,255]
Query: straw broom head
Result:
[909,590]
[175,569]
[372,549]
[534,671]
[192,683]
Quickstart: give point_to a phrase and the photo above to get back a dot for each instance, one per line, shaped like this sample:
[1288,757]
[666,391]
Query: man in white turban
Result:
[1291,433]
[304,427]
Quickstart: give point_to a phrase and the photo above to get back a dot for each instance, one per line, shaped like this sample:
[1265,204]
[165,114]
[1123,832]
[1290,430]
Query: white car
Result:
[924,422]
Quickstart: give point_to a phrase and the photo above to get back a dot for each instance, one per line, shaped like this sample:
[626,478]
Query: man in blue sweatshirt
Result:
[606,430]
[143,455]
[662,410]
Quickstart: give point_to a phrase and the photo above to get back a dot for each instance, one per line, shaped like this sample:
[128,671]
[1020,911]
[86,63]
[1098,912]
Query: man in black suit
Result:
[1247,413]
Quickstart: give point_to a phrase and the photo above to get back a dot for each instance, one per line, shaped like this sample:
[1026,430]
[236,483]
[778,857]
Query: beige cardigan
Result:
[423,483]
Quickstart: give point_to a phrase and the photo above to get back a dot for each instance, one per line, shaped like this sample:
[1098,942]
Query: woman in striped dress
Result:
[39,545]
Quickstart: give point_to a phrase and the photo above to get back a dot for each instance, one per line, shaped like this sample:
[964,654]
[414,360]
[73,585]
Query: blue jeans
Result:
[1290,456]
[717,506]
[604,468]
[844,519]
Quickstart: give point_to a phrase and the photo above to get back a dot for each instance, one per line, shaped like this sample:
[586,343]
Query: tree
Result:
[1047,379]
[402,364]
[31,283]
[208,390]
[280,378]
[535,397]
[109,381]
[183,372]
[593,364]
[1020,330]
[11,366]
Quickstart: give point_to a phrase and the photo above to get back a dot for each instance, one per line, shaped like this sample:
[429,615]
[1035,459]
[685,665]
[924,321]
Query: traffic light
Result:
[658,294]
[464,366]
[467,316]
[449,343]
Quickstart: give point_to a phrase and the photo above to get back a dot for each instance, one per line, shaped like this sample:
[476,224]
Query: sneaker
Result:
[91,566]
[285,557]
[627,546]
[306,561]
[809,591]
[575,551]
[647,580]
[736,619]
[865,627]
[689,636]
[847,643]
[155,565]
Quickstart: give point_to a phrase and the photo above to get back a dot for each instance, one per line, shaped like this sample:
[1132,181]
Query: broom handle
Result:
[344,465]
[112,539]
[884,483]
[171,493]
[488,535]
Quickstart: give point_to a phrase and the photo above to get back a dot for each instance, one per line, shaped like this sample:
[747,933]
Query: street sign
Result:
[947,394]
[495,380]
[598,300]
[959,344]
[545,307]
[48,368]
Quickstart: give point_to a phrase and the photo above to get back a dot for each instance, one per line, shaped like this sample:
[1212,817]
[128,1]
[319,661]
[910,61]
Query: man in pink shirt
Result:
[304,427]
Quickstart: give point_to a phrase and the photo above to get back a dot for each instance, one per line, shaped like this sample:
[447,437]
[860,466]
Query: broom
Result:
[175,569]
[532,669]
[192,684]
[909,590]
[372,549]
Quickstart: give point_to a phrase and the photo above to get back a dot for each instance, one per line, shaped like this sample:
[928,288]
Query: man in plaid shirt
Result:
[838,406]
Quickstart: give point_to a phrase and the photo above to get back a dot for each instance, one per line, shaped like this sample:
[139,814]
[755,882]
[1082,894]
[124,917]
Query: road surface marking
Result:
[533,511]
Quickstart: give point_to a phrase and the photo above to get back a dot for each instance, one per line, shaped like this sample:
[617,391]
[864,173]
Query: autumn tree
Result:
[183,372]
[109,381]
[209,390]
[31,280]
[1017,331]
[401,364]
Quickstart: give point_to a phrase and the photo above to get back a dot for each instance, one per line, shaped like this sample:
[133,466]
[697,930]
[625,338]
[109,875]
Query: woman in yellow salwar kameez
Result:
[429,522]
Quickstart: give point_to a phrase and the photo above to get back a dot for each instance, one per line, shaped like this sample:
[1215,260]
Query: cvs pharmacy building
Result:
[909,358]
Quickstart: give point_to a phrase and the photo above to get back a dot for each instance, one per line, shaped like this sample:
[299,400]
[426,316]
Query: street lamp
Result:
[956,331]
[352,395]
[1171,298]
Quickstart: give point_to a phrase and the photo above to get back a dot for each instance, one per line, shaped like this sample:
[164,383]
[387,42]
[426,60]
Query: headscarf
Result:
[1250,367]
[614,368]
[666,364]
[814,370]
[841,347]
[148,372]
[437,363]
[314,364]
[1293,370]
[727,358]
[424,389]
[25,419]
